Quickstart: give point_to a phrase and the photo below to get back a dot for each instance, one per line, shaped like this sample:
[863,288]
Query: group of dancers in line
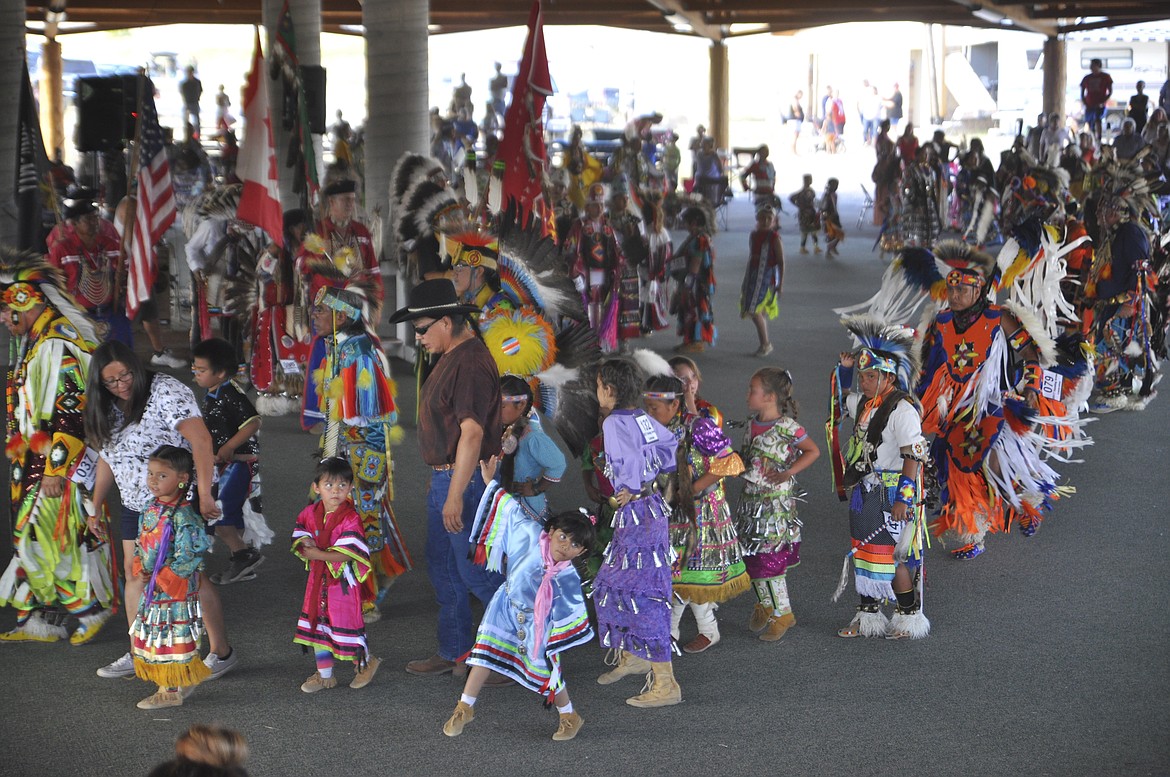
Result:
[964,416]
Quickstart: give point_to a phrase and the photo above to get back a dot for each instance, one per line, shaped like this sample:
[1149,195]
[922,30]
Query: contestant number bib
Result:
[646,426]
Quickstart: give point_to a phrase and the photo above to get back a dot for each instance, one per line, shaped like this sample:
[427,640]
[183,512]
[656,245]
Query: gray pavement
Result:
[1048,655]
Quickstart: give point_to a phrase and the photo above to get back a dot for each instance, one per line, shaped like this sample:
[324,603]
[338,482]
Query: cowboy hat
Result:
[434,299]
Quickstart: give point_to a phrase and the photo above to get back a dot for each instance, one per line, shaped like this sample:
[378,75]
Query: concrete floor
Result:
[1048,655]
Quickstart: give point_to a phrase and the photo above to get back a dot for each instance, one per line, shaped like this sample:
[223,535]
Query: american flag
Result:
[155,210]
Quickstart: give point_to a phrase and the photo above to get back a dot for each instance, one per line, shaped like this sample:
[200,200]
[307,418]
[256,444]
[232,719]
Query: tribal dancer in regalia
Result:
[596,264]
[881,476]
[980,387]
[1122,290]
[354,396]
[58,562]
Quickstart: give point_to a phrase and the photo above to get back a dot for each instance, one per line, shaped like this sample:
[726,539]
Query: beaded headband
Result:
[870,360]
[965,278]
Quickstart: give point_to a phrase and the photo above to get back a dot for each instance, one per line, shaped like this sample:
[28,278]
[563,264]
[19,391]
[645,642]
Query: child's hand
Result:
[225,454]
[847,360]
[488,468]
[623,497]
[144,575]
[778,477]
[307,543]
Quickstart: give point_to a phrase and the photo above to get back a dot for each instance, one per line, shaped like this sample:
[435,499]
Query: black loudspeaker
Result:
[100,123]
[106,107]
[313,77]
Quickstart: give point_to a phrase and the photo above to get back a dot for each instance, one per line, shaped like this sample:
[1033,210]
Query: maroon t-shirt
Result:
[1096,87]
[464,384]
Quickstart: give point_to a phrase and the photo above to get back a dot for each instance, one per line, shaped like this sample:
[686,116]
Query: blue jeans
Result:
[452,573]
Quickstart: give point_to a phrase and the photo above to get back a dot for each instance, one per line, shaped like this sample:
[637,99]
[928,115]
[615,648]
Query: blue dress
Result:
[537,456]
[507,633]
[633,587]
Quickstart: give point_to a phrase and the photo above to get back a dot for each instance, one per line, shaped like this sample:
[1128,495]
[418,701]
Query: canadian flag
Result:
[256,165]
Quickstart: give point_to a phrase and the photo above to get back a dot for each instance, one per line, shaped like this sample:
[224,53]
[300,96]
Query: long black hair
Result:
[513,385]
[100,401]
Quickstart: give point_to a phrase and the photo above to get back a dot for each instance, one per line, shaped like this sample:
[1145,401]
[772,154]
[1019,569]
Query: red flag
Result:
[155,209]
[522,147]
[256,165]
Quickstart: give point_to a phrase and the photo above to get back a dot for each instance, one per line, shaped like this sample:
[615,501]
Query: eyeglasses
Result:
[125,377]
[419,331]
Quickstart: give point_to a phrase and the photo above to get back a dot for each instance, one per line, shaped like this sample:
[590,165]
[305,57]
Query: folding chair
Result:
[866,206]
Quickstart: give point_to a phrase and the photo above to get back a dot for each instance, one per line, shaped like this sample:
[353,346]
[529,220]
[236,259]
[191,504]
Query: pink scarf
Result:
[543,604]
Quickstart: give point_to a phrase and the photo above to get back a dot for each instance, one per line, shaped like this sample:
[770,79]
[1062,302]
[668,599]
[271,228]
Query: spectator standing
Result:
[191,89]
[1139,107]
[498,88]
[696,146]
[794,116]
[223,119]
[893,103]
[1096,89]
[1032,141]
[1052,140]
[671,159]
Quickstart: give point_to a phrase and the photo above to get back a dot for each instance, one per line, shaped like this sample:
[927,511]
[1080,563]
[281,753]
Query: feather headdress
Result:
[889,342]
[26,279]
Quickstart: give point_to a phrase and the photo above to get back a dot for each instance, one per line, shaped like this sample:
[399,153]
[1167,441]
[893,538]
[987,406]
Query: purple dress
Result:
[633,587]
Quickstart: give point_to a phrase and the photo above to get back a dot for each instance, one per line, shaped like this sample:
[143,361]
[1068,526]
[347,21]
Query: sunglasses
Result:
[419,331]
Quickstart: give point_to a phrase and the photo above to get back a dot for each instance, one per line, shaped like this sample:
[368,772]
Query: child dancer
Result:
[687,371]
[632,590]
[538,613]
[233,423]
[164,637]
[759,298]
[329,538]
[881,474]
[710,566]
[693,300]
[532,461]
[776,449]
[807,216]
[831,219]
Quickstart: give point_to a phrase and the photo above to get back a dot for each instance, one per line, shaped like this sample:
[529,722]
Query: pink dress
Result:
[331,616]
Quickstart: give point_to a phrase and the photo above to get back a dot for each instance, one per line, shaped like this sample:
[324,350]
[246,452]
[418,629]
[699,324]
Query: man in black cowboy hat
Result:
[340,230]
[458,426]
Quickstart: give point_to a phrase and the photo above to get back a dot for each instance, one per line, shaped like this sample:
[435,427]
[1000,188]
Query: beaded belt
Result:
[443,467]
[647,490]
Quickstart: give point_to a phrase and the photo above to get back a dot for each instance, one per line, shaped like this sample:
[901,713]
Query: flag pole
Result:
[131,199]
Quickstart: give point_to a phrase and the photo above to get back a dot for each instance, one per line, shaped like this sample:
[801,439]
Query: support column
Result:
[12,56]
[1055,75]
[306,16]
[397,120]
[52,106]
[720,128]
